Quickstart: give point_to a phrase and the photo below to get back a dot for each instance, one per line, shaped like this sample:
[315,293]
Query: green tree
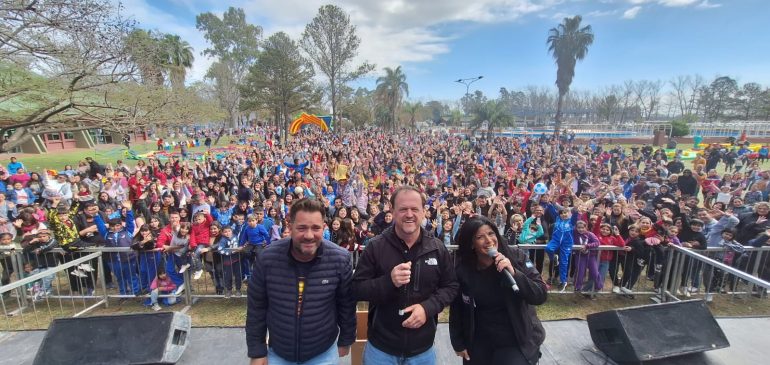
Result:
[412,109]
[234,43]
[680,127]
[718,97]
[437,110]
[360,110]
[280,80]
[331,42]
[494,113]
[146,52]
[178,58]
[472,102]
[568,43]
[749,100]
[390,91]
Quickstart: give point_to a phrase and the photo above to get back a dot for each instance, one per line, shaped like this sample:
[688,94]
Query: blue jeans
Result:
[373,356]
[167,301]
[148,268]
[47,280]
[175,276]
[125,273]
[328,357]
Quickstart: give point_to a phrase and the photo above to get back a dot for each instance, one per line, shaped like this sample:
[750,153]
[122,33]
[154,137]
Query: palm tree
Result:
[391,89]
[412,109]
[145,51]
[178,58]
[495,113]
[568,43]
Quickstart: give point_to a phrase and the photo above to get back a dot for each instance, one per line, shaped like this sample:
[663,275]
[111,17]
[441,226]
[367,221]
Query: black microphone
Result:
[493,253]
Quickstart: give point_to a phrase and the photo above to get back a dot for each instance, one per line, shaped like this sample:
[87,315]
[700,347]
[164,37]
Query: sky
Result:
[439,41]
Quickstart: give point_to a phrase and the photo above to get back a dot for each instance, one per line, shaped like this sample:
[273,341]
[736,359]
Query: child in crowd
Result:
[161,285]
[230,250]
[609,236]
[38,258]
[200,237]
[587,258]
[561,240]
[180,245]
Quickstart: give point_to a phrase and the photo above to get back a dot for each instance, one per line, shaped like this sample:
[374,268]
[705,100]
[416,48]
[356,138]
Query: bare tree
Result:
[69,48]
[681,85]
[331,42]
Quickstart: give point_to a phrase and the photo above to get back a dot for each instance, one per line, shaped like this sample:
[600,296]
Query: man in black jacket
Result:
[300,291]
[407,276]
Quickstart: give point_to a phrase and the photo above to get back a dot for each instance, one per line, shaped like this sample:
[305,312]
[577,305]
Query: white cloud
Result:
[707,5]
[675,3]
[601,13]
[392,31]
[631,13]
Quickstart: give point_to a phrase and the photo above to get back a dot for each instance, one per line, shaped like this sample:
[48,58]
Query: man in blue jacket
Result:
[300,291]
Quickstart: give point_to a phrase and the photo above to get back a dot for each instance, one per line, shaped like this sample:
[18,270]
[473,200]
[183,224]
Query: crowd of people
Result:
[215,214]
[220,214]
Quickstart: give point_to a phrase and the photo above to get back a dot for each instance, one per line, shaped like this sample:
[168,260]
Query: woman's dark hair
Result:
[464,240]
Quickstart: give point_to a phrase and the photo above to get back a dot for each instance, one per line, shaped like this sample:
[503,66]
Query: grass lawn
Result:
[103,153]
[212,312]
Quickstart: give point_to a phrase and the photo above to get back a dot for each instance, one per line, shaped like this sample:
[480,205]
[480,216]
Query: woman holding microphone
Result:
[492,321]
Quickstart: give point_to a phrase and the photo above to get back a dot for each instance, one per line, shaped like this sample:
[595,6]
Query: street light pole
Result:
[467,82]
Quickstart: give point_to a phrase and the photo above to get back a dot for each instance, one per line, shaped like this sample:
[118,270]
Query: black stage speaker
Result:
[146,338]
[656,331]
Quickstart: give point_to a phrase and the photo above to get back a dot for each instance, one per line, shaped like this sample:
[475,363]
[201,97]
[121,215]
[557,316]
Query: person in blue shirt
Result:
[238,224]
[297,167]
[763,152]
[14,165]
[561,239]
[230,249]
[223,214]
[254,238]
[123,264]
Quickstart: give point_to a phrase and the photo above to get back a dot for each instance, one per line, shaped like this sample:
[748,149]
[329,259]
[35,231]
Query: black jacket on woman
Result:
[530,333]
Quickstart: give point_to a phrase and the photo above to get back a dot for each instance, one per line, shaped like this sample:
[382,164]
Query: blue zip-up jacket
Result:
[563,229]
[223,217]
[122,238]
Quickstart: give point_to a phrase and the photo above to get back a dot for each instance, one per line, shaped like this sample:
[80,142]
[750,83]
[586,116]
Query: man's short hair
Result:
[402,189]
[309,205]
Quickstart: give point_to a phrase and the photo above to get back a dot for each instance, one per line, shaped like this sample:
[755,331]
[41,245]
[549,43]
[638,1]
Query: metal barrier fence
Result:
[85,280]
[717,271]
[79,282]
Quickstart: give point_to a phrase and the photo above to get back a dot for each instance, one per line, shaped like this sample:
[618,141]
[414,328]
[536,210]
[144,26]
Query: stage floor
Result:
[567,342]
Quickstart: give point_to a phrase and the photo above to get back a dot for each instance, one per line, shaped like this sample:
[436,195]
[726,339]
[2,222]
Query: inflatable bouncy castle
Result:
[323,122]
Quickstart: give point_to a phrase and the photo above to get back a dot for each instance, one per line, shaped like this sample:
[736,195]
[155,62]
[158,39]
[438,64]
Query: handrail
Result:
[726,268]
[47,272]
[450,247]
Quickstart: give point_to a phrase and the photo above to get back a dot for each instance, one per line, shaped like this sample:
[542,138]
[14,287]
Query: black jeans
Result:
[538,257]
